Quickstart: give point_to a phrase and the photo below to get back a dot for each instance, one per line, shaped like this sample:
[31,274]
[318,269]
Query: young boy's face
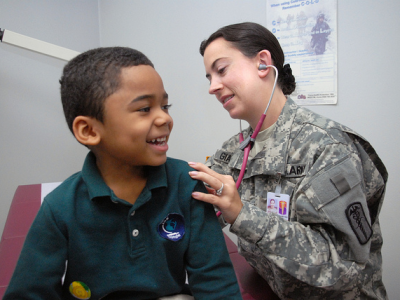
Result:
[136,125]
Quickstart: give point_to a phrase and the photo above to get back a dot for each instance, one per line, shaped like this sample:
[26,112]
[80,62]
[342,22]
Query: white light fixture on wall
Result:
[19,40]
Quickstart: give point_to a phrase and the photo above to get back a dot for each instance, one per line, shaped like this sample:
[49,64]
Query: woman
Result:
[271,207]
[329,244]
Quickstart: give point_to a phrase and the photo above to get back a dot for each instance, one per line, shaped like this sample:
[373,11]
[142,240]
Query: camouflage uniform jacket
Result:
[331,246]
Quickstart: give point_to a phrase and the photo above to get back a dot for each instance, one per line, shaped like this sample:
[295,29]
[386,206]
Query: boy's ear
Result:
[86,130]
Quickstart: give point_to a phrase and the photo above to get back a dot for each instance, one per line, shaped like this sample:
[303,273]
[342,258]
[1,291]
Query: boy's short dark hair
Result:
[89,78]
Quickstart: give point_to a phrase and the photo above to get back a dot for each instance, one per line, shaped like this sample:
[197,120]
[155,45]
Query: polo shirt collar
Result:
[157,177]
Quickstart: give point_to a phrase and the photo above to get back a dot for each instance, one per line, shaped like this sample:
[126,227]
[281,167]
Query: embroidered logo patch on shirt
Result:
[358,222]
[79,290]
[172,227]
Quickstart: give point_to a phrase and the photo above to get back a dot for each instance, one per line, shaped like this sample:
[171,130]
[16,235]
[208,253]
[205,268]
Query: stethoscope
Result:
[247,144]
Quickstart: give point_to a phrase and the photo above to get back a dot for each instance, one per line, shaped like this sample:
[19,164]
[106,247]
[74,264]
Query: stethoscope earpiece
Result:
[262,67]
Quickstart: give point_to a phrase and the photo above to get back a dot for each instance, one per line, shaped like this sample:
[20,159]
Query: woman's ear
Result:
[86,130]
[264,59]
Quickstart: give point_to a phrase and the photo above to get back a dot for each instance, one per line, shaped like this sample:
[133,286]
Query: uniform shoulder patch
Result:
[358,222]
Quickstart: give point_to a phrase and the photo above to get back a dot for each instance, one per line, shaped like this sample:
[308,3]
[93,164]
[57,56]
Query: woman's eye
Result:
[221,71]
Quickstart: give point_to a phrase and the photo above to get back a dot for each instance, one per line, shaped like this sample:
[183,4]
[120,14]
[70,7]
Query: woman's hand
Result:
[228,201]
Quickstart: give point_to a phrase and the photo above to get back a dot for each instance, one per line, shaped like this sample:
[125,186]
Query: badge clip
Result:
[278,186]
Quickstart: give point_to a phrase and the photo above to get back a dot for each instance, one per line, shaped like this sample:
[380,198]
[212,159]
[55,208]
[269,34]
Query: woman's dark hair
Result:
[89,78]
[251,38]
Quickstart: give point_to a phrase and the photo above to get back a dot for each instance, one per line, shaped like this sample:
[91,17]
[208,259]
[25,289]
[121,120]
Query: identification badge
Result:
[279,204]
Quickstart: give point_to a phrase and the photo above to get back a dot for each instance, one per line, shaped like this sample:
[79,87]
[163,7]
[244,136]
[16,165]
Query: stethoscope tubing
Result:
[253,136]
[255,133]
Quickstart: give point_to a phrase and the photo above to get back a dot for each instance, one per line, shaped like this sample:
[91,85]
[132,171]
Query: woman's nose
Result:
[215,86]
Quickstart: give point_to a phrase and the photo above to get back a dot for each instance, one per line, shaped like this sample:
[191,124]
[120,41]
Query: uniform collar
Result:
[275,151]
[97,188]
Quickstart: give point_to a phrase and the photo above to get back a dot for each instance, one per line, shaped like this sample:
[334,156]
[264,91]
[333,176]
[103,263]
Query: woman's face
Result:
[233,78]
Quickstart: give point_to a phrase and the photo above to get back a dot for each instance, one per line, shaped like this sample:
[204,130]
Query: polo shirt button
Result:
[133,213]
[135,232]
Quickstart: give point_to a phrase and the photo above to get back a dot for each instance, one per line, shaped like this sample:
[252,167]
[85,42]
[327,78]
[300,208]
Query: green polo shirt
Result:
[122,251]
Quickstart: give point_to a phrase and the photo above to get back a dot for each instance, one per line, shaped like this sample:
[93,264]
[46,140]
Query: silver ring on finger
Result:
[219,192]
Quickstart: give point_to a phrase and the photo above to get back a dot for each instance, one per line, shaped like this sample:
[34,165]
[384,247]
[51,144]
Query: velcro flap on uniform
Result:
[335,182]
[340,183]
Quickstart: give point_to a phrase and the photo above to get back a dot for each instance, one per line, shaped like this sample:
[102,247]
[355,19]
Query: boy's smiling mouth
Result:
[159,141]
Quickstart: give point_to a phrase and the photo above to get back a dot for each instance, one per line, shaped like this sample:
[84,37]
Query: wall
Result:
[37,147]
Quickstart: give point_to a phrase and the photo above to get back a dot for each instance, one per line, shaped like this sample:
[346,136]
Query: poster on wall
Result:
[307,32]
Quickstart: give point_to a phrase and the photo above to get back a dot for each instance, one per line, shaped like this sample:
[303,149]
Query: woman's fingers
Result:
[205,174]
[230,207]
[210,181]
[203,168]
[210,190]
[222,191]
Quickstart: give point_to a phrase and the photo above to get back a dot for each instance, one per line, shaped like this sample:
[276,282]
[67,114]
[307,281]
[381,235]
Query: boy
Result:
[126,224]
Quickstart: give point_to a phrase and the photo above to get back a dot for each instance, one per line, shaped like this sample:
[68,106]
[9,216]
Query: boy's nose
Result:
[163,118]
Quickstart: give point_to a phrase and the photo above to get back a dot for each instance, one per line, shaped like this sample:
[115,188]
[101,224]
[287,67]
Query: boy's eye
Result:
[144,109]
[166,107]
[147,109]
